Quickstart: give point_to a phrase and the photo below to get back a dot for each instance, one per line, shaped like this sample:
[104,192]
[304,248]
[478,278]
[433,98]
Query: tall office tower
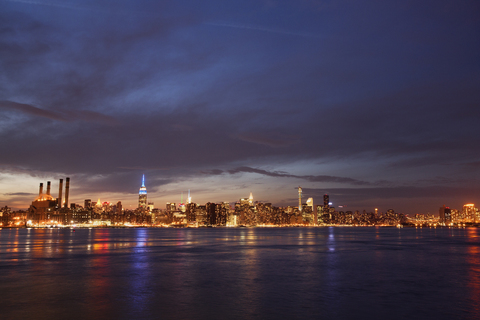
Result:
[191,212]
[250,200]
[189,199]
[211,213]
[87,203]
[119,209]
[300,198]
[142,195]
[326,203]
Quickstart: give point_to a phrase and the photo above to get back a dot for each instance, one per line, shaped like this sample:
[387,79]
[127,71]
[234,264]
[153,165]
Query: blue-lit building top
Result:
[142,195]
[143,189]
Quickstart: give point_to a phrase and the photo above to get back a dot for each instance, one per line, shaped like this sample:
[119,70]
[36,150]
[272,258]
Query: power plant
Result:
[45,208]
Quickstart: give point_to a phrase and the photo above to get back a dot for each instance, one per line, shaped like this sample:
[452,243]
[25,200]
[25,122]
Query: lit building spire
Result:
[250,199]
[189,199]
[142,195]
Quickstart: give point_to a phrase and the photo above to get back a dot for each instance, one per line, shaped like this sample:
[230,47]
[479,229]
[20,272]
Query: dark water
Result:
[227,273]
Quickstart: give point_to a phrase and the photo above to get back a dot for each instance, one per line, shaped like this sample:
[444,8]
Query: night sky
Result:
[376,103]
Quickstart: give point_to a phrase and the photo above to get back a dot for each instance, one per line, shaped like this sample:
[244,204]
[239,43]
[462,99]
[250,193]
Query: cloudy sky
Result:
[376,103]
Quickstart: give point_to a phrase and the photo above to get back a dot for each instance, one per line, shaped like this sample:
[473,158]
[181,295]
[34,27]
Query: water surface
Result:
[240,273]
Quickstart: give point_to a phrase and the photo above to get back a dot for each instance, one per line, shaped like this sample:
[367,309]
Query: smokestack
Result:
[48,187]
[67,188]
[60,189]
[41,189]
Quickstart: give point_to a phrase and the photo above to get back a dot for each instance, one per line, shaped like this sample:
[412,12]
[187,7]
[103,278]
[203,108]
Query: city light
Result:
[46,212]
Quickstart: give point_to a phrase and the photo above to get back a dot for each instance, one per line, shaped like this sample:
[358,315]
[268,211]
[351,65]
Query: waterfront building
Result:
[201,215]
[445,215]
[43,206]
[190,211]
[211,212]
[469,212]
[46,209]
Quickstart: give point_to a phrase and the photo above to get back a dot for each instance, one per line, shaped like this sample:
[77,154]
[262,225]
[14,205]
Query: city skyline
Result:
[49,211]
[373,103]
[144,205]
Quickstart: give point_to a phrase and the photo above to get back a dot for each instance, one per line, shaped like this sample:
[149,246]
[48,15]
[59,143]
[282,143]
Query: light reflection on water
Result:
[240,273]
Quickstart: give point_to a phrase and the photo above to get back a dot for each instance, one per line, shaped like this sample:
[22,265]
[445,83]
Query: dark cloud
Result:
[405,192]
[28,109]
[213,172]
[113,89]
[126,183]
[19,194]
[71,115]
[320,178]
[270,139]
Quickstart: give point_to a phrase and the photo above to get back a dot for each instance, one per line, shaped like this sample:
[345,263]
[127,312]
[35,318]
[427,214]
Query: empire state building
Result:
[142,195]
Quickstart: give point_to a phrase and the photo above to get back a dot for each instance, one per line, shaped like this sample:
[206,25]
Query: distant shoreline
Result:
[239,227]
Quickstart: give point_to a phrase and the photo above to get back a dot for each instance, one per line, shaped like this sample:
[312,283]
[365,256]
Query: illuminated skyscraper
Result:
[300,198]
[469,212]
[326,203]
[250,199]
[142,195]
